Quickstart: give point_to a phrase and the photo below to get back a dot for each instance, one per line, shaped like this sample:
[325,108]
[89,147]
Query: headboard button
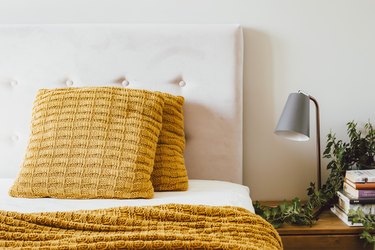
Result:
[125,83]
[182,83]
[69,83]
[13,83]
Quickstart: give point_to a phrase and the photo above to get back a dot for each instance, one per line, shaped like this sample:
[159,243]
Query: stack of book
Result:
[358,192]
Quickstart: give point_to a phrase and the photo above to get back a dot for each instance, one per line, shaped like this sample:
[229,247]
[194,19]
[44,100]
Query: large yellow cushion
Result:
[169,170]
[91,143]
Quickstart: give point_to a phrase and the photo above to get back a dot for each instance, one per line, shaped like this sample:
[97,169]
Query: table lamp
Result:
[294,123]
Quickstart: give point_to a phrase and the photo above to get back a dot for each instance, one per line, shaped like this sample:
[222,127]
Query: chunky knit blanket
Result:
[156,227]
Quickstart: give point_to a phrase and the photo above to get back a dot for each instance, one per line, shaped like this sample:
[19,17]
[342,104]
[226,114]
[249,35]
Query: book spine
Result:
[353,200]
[360,185]
[366,193]
[358,193]
[368,185]
[363,201]
[346,206]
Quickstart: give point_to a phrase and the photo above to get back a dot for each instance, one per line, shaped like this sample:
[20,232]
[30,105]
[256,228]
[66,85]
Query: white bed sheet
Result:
[201,192]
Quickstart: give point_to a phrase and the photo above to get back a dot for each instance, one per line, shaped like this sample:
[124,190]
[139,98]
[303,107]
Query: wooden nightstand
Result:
[329,232]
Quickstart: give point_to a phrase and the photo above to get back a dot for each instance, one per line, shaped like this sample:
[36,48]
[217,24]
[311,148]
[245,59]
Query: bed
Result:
[202,63]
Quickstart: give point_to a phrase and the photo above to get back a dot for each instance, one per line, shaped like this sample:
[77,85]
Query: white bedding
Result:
[201,192]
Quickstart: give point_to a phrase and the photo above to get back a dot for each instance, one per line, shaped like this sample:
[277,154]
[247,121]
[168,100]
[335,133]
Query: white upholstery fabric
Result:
[203,63]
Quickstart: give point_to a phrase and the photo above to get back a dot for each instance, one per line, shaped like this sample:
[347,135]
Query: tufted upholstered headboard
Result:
[203,63]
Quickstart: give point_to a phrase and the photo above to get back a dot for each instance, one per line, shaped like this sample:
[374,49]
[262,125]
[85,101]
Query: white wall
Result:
[326,48]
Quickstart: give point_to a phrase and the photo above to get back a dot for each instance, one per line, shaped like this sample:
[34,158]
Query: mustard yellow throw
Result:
[97,142]
[158,227]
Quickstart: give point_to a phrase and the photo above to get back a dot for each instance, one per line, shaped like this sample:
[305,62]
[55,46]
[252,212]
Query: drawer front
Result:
[326,242]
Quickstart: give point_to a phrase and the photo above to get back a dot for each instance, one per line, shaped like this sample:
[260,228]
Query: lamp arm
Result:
[319,173]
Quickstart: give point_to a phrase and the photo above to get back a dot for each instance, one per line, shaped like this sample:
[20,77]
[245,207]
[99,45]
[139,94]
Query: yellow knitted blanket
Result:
[154,227]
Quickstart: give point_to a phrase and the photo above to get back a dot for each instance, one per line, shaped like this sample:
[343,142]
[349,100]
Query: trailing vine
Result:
[368,222]
[358,153]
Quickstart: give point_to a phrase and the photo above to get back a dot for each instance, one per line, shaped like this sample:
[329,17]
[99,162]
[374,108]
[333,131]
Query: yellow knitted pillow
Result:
[169,172]
[91,143]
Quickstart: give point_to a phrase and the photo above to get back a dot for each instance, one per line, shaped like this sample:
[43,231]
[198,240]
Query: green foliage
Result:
[358,153]
[287,212]
[368,222]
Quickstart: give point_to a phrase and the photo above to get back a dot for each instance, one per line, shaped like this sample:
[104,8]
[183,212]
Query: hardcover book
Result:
[344,217]
[367,175]
[359,193]
[352,200]
[361,185]
[345,205]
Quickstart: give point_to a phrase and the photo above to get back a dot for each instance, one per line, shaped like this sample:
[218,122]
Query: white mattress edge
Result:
[200,192]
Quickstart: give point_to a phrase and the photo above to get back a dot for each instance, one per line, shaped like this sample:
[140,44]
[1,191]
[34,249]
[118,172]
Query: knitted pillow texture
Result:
[91,143]
[169,172]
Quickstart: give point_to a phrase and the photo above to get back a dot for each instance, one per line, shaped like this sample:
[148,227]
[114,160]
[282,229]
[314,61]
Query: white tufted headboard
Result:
[207,59]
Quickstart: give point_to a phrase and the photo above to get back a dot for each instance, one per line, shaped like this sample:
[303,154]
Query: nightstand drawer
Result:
[329,232]
[326,242]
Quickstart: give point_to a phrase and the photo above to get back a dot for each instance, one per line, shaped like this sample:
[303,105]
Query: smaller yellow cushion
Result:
[169,172]
[91,143]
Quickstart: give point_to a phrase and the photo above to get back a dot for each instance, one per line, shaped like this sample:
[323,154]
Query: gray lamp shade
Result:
[294,123]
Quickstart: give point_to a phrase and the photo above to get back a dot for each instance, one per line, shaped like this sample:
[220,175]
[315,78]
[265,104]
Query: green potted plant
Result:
[358,153]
